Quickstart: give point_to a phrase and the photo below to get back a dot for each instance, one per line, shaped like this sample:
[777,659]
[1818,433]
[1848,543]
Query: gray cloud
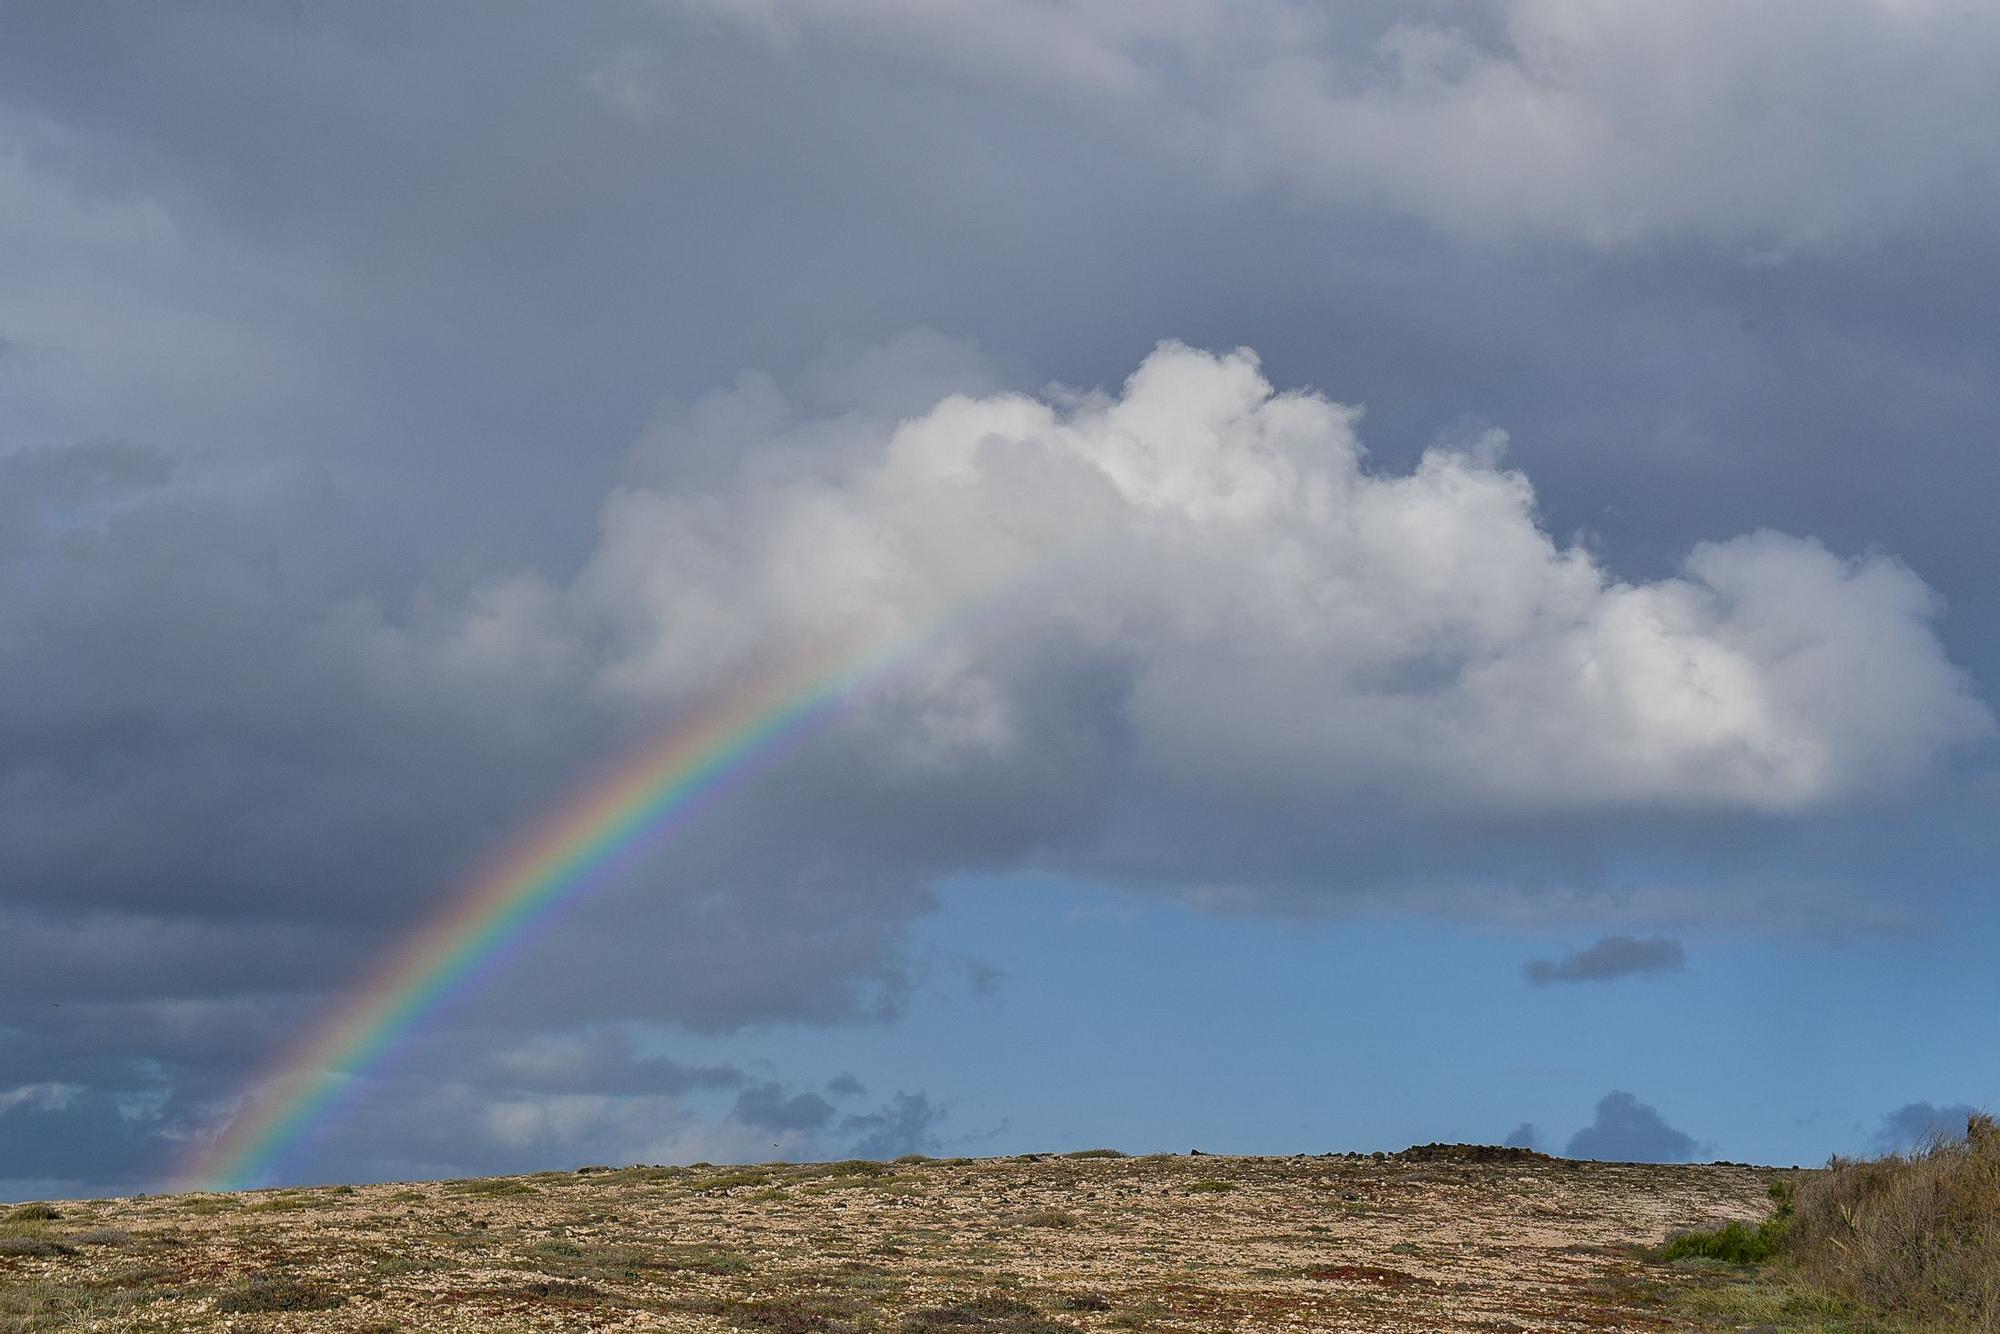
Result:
[597,1060]
[63,1133]
[1915,1124]
[1505,117]
[908,1124]
[1611,957]
[767,1107]
[1523,1136]
[1626,1130]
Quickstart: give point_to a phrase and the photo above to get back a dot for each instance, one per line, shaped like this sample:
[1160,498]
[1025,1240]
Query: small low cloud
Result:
[1612,957]
[908,1124]
[1523,1136]
[767,1107]
[845,1085]
[983,979]
[603,1061]
[1916,1124]
[1629,1131]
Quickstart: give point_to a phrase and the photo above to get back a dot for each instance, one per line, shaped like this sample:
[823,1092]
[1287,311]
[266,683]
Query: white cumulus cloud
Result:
[1268,607]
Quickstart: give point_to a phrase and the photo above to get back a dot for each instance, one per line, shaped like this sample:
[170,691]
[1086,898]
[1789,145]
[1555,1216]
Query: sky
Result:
[1464,530]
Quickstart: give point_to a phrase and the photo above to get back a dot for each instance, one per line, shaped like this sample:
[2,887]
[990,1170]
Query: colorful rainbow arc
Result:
[581,845]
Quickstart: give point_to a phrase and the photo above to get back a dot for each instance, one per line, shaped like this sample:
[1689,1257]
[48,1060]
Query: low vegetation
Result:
[1739,1243]
[1917,1234]
[278,1292]
[1905,1242]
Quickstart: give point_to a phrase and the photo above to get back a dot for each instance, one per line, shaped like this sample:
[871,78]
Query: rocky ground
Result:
[1428,1240]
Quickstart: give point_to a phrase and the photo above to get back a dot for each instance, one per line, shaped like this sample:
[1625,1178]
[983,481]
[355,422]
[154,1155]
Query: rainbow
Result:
[582,844]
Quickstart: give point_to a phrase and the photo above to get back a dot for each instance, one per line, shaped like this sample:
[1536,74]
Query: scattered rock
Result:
[1470,1153]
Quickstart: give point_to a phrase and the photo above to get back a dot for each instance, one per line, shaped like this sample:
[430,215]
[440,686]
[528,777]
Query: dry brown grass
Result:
[1916,1234]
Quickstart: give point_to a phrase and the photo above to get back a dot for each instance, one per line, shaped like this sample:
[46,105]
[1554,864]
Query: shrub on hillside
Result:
[1917,1234]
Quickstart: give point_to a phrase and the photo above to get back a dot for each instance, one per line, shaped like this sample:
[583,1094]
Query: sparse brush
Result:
[102,1236]
[1001,1314]
[491,1186]
[1050,1218]
[1917,1234]
[278,1292]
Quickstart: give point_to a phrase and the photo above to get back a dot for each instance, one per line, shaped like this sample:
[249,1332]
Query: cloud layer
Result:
[1191,621]
[1787,124]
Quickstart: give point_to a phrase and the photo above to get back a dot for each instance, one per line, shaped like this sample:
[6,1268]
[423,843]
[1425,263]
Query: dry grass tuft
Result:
[1917,1234]
[1050,1218]
[488,1186]
[278,1292]
[1003,1315]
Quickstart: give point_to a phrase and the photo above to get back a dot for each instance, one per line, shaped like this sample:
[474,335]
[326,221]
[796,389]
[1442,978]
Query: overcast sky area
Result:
[1477,519]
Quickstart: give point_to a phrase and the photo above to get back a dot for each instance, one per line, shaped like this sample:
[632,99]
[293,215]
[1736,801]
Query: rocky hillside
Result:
[1437,1238]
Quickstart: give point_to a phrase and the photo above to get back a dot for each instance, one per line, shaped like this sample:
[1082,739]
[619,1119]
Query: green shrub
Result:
[1739,1243]
[732,1180]
[1735,1243]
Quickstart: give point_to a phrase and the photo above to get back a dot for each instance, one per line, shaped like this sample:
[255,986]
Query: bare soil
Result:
[1435,1239]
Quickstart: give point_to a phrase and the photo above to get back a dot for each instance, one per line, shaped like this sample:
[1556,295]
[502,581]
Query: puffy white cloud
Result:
[1272,610]
[1773,124]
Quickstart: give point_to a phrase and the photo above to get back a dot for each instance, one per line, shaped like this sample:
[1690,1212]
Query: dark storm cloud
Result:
[1612,957]
[223,796]
[1916,1124]
[328,331]
[67,1134]
[1629,1131]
